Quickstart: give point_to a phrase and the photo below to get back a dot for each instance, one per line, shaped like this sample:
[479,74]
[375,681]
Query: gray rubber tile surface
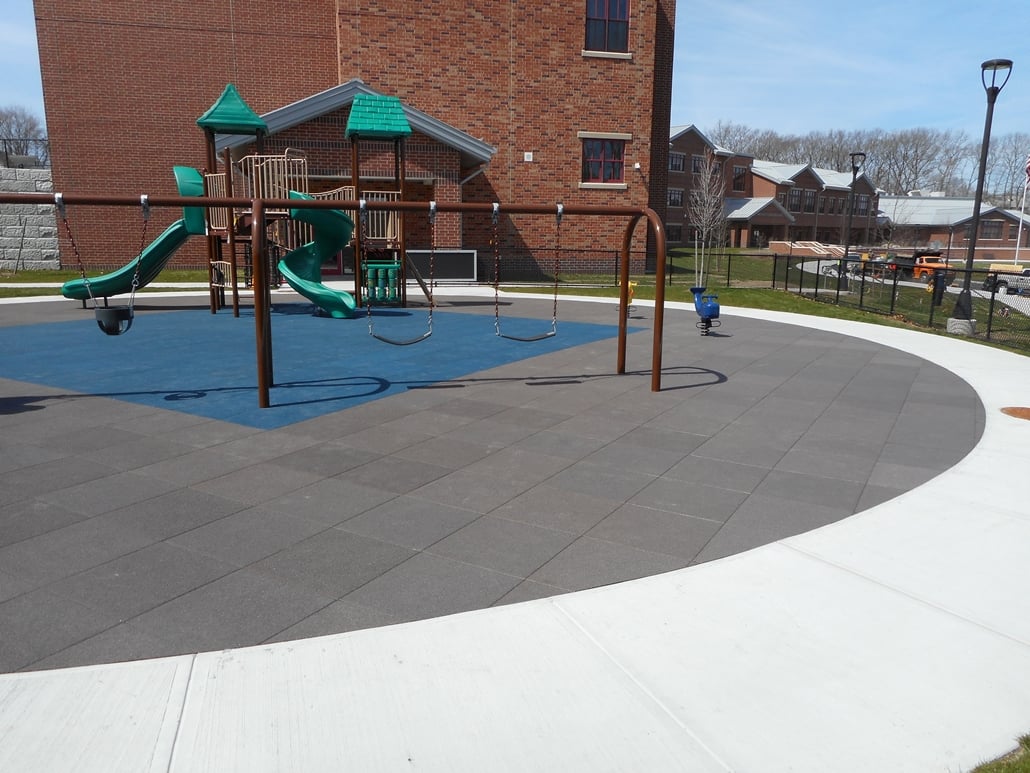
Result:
[130,530]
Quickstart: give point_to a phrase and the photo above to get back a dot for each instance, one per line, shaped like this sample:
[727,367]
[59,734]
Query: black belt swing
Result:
[497,280]
[363,220]
[113,320]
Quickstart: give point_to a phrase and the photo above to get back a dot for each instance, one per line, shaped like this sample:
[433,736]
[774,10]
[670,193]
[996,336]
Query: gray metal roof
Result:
[928,210]
[472,151]
[675,132]
[937,211]
[784,174]
[746,209]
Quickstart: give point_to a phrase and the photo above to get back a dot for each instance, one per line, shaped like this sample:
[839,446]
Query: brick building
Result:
[944,223]
[571,97]
[767,201]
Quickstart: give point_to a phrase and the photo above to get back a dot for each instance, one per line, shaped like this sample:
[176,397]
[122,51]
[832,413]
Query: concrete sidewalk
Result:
[175,534]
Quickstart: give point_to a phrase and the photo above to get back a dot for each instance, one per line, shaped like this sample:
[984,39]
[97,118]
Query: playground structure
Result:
[277,213]
[378,246]
[263,285]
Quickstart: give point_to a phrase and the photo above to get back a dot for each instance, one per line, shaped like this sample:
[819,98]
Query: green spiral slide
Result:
[155,255]
[302,268]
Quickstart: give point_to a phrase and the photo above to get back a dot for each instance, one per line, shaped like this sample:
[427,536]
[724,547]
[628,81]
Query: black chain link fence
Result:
[1000,299]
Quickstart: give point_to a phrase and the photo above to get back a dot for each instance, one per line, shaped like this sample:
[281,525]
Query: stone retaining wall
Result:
[28,232]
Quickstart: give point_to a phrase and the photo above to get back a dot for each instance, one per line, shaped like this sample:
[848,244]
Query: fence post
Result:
[990,308]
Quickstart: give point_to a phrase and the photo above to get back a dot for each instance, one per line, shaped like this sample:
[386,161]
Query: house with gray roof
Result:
[943,223]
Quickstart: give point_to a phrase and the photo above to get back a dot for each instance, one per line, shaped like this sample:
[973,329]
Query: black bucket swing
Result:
[553,331]
[363,225]
[112,320]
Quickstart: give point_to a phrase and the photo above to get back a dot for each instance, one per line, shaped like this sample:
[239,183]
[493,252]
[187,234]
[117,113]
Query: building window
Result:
[1014,231]
[675,197]
[674,232]
[822,205]
[782,198]
[697,164]
[740,179]
[607,25]
[862,205]
[794,200]
[602,160]
[677,162]
[990,229]
[809,201]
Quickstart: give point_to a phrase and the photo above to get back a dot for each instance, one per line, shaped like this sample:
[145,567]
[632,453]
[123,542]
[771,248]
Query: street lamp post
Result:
[962,321]
[857,159]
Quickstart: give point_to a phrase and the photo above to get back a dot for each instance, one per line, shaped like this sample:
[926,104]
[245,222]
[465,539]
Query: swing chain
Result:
[557,267]
[144,201]
[363,256]
[63,212]
[432,260]
[495,239]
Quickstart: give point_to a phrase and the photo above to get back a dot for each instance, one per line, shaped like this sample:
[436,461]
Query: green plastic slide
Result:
[156,255]
[302,268]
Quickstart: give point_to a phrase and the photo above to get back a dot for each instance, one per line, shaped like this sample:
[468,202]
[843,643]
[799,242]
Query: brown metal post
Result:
[659,299]
[659,296]
[262,326]
[627,237]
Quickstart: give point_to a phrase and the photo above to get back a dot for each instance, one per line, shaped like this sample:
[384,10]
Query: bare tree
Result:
[1006,169]
[22,134]
[705,206]
[896,161]
[734,136]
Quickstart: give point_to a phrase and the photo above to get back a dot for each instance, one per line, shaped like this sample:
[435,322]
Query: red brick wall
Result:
[124,83]
[124,88]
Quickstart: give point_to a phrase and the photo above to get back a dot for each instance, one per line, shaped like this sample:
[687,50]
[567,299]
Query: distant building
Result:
[767,201]
[943,223]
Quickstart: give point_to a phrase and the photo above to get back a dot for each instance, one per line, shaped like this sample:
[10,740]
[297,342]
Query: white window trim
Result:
[604,136]
[606,54]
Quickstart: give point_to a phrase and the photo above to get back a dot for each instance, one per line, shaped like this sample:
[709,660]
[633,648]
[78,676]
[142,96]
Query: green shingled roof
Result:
[231,115]
[378,116]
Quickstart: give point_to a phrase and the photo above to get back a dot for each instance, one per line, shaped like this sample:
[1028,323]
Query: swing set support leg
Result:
[262,302]
[659,295]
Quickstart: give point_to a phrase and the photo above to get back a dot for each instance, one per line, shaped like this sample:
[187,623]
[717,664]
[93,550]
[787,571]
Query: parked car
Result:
[1007,278]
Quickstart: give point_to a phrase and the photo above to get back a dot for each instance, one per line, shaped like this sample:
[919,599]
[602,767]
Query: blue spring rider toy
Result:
[707,308]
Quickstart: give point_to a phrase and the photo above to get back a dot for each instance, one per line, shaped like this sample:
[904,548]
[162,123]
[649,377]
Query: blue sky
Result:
[792,66]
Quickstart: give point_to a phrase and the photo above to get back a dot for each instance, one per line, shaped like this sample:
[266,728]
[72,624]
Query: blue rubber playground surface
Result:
[203,364]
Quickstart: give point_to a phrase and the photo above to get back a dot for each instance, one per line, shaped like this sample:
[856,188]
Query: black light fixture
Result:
[962,318]
[857,159]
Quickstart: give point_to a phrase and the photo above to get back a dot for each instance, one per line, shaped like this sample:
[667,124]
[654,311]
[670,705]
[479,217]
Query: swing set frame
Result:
[261,279]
